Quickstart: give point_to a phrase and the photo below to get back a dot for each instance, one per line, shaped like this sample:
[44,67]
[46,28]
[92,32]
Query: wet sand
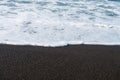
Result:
[78,62]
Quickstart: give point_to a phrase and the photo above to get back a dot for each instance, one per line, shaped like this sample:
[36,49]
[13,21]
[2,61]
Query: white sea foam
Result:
[59,22]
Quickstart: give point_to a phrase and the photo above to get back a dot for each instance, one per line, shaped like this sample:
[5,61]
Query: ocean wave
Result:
[51,21]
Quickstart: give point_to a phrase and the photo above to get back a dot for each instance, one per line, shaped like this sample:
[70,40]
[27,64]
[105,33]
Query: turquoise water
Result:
[115,0]
[99,11]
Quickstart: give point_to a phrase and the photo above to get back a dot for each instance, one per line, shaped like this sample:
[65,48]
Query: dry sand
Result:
[78,62]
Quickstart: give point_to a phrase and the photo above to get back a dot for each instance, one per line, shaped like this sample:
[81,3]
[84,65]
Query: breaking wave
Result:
[59,22]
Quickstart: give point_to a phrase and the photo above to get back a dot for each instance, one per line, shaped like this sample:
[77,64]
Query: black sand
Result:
[80,62]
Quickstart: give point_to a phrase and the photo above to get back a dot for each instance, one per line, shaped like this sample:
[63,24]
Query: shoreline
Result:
[65,45]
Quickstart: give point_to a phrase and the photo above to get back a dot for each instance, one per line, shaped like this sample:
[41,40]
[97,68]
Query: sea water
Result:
[59,22]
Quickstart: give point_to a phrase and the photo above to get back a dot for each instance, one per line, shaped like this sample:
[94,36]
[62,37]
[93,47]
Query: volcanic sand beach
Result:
[77,62]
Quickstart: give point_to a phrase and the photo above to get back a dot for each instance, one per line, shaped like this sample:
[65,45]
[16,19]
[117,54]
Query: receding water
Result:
[54,17]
